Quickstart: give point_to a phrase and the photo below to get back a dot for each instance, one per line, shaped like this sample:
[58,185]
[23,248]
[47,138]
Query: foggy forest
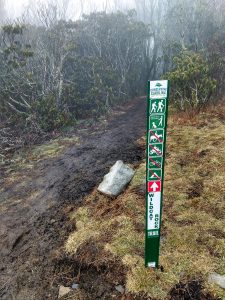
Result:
[73,100]
[55,71]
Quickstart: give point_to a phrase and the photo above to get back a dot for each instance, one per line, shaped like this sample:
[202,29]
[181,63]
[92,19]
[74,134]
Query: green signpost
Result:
[157,109]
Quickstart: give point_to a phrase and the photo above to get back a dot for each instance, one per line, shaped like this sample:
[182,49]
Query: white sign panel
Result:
[158,89]
[154,211]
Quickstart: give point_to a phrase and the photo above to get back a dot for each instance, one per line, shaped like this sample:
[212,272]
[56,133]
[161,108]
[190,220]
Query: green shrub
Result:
[192,85]
[49,117]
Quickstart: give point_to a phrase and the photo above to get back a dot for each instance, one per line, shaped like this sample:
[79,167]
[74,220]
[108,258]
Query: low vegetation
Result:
[192,240]
[16,169]
[56,71]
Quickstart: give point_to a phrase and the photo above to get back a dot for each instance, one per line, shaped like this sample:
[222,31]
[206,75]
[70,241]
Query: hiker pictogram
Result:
[160,121]
[157,106]
[154,107]
[160,106]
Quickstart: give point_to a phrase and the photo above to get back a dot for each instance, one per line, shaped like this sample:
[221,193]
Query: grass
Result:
[26,159]
[86,229]
[193,226]
[49,149]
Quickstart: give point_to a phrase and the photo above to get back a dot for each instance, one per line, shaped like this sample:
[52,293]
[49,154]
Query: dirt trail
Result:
[34,211]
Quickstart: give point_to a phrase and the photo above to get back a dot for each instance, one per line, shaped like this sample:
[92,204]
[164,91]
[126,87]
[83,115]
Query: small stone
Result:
[217,279]
[75,286]
[63,291]
[120,289]
[162,240]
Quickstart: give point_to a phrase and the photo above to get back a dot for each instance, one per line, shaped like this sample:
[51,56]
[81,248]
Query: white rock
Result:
[217,279]
[75,286]
[120,289]
[115,181]
[63,291]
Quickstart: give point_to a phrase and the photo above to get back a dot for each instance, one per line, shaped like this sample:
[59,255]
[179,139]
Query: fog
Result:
[56,69]
[17,8]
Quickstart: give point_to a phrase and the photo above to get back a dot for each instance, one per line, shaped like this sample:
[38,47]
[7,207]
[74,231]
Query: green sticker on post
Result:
[154,174]
[155,149]
[158,93]
[157,106]
[155,162]
[156,136]
[157,121]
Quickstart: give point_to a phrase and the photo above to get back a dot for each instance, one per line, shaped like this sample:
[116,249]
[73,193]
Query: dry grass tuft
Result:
[86,229]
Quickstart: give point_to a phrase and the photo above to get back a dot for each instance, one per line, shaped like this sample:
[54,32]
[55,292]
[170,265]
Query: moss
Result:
[52,148]
[47,150]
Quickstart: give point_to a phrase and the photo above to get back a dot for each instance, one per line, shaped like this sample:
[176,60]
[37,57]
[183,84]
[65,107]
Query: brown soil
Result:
[34,212]
[190,290]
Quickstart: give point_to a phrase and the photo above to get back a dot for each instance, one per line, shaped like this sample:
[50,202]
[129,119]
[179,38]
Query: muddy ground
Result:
[34,213]
[35,205]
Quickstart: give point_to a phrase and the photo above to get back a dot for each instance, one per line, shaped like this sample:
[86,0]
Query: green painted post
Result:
[157,112]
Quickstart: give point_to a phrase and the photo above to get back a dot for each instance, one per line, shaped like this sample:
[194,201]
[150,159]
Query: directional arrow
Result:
[154,186]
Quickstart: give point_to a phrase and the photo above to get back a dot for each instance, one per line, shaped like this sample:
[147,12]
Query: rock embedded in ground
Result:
[75,286]
[116,180]
[217,279]
[63,291]
[120,289]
